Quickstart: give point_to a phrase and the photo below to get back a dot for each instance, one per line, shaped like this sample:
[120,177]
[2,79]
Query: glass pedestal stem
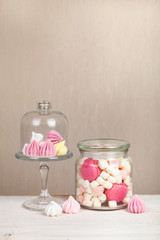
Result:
[44,169]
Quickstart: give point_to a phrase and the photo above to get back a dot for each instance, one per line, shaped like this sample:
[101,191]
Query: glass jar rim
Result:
[103,145]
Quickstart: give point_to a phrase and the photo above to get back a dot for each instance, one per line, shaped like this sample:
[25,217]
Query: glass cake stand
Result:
[39,203]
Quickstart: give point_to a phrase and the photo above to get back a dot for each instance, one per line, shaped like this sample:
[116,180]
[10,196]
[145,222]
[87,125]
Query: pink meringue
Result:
[48,149]
[54,137]
[136,205]
[32,149]
[70,206]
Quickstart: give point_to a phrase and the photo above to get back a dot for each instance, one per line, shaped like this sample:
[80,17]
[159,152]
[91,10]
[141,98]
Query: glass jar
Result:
[103,174]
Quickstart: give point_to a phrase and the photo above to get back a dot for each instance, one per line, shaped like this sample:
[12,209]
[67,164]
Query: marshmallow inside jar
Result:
[103,174]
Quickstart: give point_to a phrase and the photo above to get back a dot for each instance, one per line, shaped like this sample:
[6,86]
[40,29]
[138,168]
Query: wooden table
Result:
[19,223]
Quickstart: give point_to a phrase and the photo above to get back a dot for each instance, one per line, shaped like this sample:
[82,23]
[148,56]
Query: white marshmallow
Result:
[100,180]
[126,200]
[80,182]
[103,163]
[110,169]
[128,168]
[115,172]
[107,185]
[112,204]
[123,162]
[78,191]
[112,179]
[104,175]
[94,184]
[87,196]
[85,184]
[119,179]
[87,203]
[97,203]
[89,189]
[127,181]
[102,198]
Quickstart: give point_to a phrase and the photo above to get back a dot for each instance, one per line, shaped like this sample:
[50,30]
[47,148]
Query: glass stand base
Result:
[37,204]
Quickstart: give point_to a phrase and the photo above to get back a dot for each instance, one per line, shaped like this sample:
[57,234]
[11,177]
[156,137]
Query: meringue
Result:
[71,206]
[24,148]
[136,205]
[32,149]
[61,149]
[53,209]
[48,149]
[54,137]
[36,136]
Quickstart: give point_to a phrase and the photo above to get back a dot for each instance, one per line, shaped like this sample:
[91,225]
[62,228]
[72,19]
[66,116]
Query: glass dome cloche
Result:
[44,134]
[43,138]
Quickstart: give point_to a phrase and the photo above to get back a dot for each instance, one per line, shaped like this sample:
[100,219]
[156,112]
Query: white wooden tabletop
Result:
[19,223]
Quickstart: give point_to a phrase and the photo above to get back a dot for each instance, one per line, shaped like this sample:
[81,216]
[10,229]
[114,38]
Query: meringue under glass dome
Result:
[44,135]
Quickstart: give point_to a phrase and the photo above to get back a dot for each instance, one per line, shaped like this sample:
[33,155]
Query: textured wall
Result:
[96,61]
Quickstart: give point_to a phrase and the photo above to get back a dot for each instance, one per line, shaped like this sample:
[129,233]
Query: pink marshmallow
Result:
[98,190]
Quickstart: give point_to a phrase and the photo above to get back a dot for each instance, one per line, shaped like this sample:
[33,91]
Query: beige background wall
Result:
[96,61]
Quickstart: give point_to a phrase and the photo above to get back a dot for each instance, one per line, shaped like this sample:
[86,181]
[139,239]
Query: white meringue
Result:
[36,136]
[53,209]
[24,148]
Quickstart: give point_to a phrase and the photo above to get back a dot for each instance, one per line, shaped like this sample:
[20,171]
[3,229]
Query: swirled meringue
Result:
[53,209]
[48,149]
[32,149]
[136,205]
[61,149]
[36,136]
[71,206]
[54,137]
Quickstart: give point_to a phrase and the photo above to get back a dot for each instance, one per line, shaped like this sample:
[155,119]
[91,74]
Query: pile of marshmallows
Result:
[103,180]
[54,145]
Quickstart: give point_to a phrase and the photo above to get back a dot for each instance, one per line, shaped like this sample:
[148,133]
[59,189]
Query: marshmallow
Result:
[97,203]
[78,176]
[107,185]
[87,203]
[100,180]
[80,182]
[83,189]
[102,198]
[98,190]
[103,163]
[112,179]
[89,189]
[110,169]
[94,184]
[78,191]
[123,162]
[115,172]
[112,204]
[127,181]
[119,179]
[128,168]
[87,196]
[104,175]
[126,200]
[86,183]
